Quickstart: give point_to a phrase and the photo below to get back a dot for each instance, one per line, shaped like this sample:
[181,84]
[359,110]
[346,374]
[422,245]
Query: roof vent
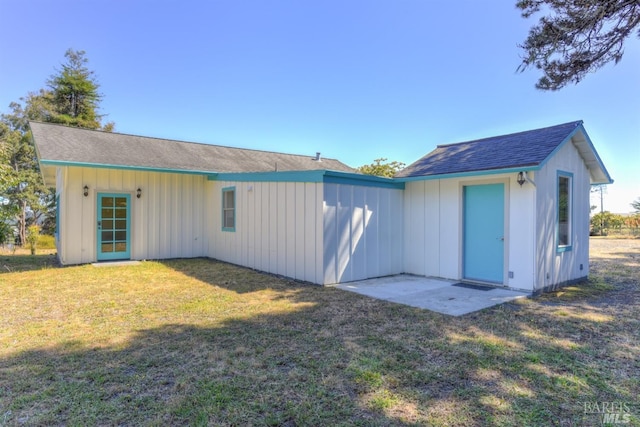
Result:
[318,158]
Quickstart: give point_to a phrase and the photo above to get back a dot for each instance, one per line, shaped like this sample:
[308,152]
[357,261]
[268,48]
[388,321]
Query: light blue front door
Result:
[114,226]
[483,252]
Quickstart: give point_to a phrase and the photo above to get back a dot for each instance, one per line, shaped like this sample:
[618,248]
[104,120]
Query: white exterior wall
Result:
[433,218]
[166,222]
[556,268]
[278,227]
[362,232]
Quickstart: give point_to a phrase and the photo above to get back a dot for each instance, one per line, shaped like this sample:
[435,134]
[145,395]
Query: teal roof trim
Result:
[600,163]
[325,176]
[134,168]
[581,128]
[468,174]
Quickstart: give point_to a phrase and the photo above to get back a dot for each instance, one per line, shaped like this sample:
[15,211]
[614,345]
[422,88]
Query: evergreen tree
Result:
[576,37]
[71,99]
[74,94]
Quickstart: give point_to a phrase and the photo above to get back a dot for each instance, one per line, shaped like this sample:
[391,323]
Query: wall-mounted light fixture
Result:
[86,190]
[138,193]
[521,178]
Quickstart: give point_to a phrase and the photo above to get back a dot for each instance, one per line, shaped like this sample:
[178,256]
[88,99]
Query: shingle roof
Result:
[522,149]
[62,144]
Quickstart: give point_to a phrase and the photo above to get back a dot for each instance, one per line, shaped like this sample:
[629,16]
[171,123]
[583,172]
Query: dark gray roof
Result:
[66,145]
[522,149]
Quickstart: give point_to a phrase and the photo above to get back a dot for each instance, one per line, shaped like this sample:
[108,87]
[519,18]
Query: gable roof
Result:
[59,145]
[527,150]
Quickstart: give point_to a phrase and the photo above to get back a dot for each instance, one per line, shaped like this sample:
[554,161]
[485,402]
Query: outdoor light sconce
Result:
[86,191]
[521,178]
[138,193]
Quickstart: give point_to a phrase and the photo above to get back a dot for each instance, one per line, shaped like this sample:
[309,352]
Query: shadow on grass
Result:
[13,262]
[341,358]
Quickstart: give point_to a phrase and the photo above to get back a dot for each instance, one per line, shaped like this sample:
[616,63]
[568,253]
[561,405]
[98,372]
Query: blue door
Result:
[114,226]
[483,233]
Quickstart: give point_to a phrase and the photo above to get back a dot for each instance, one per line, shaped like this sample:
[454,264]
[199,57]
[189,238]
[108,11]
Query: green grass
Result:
[199,342]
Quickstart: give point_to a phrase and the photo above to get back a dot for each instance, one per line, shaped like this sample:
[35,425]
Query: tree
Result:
[636,205]
[71,99]
[576,38]
[381,167]
[74,94]
[23,193]
[602,222]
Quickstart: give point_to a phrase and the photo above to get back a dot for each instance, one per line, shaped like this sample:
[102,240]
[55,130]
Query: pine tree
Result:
[71,99]
[576,37]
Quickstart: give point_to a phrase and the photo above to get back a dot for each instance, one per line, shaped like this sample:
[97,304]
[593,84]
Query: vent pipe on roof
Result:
[318,158]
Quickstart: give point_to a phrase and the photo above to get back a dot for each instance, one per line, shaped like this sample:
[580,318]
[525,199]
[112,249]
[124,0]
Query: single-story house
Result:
[510,211]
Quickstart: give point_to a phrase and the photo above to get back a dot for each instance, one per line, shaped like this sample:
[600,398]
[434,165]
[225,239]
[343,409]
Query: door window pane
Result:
[121,202]
[107,247]
[107,236]
[121,247]
[121,235]
[107,213]
[121,224]
[107,201]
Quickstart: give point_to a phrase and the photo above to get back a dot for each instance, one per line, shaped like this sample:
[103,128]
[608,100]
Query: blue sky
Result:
[354,79]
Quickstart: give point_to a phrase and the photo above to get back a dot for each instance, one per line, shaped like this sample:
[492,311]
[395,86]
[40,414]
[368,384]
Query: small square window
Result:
[229,209]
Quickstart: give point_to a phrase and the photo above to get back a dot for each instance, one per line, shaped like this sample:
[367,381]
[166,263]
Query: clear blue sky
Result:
[354,79]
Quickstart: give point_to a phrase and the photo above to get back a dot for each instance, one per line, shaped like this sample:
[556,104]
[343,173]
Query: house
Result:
[510,211]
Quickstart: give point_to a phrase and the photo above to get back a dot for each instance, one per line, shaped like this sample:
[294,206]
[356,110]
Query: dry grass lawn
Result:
[199,342]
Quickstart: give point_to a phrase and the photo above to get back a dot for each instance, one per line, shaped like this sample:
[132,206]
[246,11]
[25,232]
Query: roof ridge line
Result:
[576,123]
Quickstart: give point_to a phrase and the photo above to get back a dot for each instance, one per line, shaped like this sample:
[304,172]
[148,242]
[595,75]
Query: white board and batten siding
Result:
[554,267]
[166,222]
[278,227]
[433,221]
[362,232]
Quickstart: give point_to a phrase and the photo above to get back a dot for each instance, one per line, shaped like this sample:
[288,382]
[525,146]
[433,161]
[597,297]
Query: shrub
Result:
[33,234]
[46,241]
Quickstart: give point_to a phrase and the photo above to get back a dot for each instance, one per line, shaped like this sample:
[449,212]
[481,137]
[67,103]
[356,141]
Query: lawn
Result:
[199,342]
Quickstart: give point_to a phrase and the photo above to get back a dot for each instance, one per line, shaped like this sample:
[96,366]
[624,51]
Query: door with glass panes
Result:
[114,226]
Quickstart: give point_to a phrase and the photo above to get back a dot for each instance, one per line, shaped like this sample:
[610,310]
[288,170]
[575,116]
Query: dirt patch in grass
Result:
[199,342]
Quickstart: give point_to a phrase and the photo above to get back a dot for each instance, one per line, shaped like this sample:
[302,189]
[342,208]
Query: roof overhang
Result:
[469,174]
[320,175]
[598,174]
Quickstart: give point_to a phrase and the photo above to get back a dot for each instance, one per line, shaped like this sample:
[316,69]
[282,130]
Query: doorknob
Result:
[500,238]
[99,225]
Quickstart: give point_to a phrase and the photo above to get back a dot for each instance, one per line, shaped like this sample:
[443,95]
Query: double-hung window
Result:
[229,209]
[565,211]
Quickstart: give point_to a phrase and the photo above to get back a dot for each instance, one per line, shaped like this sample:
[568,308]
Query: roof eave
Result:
[598,174]
[467,174]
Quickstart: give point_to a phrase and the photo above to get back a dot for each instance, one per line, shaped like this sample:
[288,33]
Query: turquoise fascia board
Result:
[125,167]
[334,177]
[595,153]
[325,176]
[285,176]
[469,174]
[580,128]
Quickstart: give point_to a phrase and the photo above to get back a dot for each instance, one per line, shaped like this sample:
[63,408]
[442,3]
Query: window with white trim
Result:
[565,210]
[229,209]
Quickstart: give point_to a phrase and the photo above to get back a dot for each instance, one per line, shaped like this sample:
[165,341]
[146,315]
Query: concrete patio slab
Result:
[432,294]
[115,263]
